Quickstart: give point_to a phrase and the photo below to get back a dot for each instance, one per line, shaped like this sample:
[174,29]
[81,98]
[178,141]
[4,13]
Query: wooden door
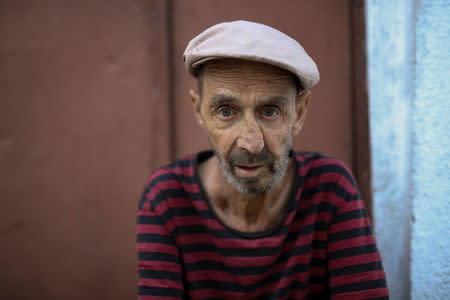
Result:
[93,98]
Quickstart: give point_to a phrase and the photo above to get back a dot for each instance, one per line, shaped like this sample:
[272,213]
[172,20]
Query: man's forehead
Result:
[239,66]
[247,74]
[247,83]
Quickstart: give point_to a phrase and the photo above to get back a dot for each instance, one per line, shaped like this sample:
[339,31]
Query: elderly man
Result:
[252,218]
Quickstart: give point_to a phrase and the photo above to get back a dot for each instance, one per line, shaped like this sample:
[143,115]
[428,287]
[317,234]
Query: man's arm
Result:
[354,263]
[159,264]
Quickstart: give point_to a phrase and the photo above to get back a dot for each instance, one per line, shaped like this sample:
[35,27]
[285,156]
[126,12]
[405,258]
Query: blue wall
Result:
[409,88]
[391,90]
[430,255]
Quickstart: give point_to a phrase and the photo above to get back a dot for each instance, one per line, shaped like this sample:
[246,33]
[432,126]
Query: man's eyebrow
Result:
[276,101]
[221,99]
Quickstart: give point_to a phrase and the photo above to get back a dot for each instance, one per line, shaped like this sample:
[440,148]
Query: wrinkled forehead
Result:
[243,72]
[247,83]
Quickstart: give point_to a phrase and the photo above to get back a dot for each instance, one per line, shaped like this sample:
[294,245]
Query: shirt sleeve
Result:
[159,263]
[354,263]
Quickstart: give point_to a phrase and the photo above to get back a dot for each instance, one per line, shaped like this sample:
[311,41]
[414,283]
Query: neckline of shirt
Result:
[204,155]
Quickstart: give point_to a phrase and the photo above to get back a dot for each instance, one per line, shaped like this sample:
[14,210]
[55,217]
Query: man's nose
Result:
[250,137]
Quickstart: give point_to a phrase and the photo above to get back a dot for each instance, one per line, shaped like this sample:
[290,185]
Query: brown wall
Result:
[78,136]
[93,97]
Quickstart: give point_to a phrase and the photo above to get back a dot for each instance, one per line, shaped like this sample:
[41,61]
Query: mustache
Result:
[242,156]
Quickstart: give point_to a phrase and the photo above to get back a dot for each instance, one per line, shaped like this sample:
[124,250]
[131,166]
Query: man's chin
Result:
[250,179]
[249,185]
[250,189]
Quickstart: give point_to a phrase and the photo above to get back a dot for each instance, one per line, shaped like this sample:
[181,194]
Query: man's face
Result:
[250,113]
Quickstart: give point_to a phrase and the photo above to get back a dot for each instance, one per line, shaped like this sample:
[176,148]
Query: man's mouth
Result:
[248,170]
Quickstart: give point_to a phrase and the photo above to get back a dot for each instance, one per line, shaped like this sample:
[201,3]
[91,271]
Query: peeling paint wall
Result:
[430,242]
[408,54]
[390,98]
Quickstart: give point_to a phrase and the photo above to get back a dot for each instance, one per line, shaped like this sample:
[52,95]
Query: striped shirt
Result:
[322,249]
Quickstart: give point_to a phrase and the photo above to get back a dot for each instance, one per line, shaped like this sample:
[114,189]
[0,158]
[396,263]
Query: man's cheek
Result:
[276,142]
[220,137]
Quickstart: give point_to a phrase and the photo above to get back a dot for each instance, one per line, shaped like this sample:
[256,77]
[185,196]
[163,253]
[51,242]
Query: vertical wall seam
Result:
[411,140]
[352,90]
[171,79]
[360,127]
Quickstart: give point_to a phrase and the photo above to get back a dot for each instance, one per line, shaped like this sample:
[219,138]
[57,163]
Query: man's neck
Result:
[246,213]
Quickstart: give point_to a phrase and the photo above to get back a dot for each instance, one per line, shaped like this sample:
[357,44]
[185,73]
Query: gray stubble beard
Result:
[250,186]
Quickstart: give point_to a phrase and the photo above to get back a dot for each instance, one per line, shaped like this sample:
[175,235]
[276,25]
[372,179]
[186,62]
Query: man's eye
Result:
[269,112]
[225,112]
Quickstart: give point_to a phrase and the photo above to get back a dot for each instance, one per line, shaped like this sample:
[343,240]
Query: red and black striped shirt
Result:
[323,248]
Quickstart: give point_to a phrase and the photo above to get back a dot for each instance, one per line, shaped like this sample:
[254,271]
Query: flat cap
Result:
[251,41]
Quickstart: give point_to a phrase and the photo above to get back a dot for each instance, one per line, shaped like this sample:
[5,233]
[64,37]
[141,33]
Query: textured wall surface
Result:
[80,113]
[430,244]
[391,93]
[410,108]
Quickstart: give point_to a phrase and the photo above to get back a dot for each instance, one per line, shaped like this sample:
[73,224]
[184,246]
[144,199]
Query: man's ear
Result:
[301,108]
[196,104]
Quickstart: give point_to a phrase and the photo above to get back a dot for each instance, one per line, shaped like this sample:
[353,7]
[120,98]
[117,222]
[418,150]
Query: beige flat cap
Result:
[251,41]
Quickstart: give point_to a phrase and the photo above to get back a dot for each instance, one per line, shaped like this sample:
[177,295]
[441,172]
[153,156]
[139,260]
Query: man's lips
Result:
[248,170]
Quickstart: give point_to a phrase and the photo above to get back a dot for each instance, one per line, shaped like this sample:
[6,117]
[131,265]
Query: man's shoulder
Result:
[318,160]
[171,177]
[177,170]
[322,168]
